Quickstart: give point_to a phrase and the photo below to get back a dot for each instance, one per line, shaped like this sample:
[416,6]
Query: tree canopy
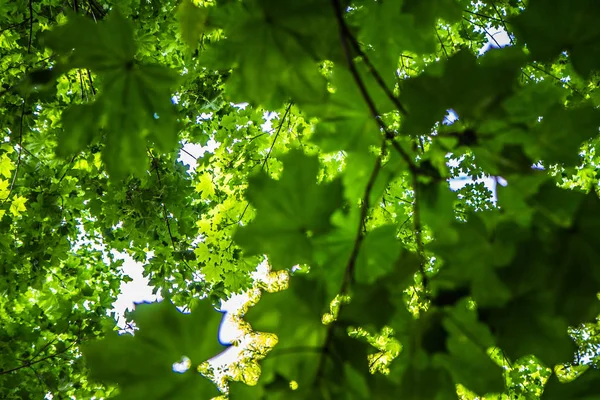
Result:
[331,132]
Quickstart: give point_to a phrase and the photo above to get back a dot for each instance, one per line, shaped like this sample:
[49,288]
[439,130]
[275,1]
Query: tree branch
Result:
[363,89]
[351,264]
[28,364]
[345,33]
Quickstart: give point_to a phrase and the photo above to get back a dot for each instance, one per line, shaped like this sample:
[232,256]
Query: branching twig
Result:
[484,28]
[28,364]
[532,65]
[441,43]
[503,22]
[286,113]
[351,264]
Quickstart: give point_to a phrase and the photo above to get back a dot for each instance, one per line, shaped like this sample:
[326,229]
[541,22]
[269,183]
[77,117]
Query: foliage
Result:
[330,133]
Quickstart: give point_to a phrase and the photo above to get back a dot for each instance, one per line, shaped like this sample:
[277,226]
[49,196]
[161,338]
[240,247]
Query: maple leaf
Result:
[290,212]
[4,189]
[6,166]
[17,205]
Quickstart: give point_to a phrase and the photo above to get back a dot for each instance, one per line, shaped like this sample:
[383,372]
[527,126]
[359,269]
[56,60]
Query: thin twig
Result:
[503,22]
[156,165]
[286,113]
[567,84]
[484,28]
[28,364]
[20,152]
[351,264]
[188,153]
[441,43]
[40,351]
[418,232]
[89,74]
[83,93]
[69,166]
[482,15]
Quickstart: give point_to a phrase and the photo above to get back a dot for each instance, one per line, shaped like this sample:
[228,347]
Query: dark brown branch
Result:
[30,26]
[347,35]
[363,89]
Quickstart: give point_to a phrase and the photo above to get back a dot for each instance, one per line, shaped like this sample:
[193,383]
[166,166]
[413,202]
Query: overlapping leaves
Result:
[142,365]
[134,104]
[291,212]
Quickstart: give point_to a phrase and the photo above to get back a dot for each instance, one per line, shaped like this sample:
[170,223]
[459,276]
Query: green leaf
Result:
[275,51]
[134,106]
[345,120]
[377,255]
[467,359]
[469,86]
[550,27]
[192,22]
[474,259]
[560,134]
[526,325]
[294,315]
[142,365]
[105,46]
[280,312]
[290,212]
[426,383]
